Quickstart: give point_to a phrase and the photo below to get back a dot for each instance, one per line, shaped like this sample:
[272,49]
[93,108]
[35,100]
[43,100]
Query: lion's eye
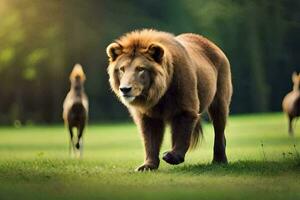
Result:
[140,70]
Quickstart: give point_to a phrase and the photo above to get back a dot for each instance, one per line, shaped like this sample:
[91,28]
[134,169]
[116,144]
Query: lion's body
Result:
[197,78]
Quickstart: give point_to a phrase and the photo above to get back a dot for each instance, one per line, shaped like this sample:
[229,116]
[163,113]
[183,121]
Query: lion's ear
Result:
[156,52]
[113,51]
[294,76]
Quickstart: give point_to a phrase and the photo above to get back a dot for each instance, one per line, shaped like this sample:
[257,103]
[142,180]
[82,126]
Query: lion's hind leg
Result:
[218,112]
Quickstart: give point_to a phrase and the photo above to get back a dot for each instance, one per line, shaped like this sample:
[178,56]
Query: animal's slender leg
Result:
[79,141]
[152,131]
[218,112]
[182,127]
[71,143]
[291,131]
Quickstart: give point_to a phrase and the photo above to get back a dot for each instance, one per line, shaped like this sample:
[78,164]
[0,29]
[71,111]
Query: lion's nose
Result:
[125,90]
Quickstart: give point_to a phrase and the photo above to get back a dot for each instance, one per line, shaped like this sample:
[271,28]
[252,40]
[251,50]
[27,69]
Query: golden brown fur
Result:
[291,102]
[163,78]
[75,108]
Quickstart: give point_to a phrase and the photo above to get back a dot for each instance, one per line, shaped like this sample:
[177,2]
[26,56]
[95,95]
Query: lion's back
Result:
[203,47]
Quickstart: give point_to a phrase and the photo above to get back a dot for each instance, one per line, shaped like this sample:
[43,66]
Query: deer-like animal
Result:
[291,103]
[75,109]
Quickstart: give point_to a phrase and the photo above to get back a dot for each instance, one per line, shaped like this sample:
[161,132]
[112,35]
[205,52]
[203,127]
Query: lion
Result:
[291,103]
[166,79]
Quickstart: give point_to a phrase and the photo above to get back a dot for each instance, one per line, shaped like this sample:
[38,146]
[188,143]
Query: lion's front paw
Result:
[173,158]
[146,167]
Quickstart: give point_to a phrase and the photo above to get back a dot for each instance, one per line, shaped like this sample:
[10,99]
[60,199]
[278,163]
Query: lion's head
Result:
[139,68]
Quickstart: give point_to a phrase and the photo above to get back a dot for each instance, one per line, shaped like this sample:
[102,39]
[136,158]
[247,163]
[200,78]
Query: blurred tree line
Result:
[40,41]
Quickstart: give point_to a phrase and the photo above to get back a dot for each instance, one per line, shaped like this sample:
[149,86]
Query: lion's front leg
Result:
[182,127]
[152,131]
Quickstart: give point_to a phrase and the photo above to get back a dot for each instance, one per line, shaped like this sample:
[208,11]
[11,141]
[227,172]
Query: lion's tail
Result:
[196,135]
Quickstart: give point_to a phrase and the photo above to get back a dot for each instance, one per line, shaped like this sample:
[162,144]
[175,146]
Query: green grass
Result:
[263,164]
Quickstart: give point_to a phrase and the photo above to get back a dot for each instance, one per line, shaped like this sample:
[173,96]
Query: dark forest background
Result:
[40,41]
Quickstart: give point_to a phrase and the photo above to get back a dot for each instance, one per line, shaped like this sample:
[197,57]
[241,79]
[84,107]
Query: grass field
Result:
[264,164]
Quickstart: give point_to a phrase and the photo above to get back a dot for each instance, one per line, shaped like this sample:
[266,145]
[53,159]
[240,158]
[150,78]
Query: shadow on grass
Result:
[250,167]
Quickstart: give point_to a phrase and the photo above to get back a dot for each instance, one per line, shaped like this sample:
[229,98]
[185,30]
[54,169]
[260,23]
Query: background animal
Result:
[291,103]
[163,78]
[75,108]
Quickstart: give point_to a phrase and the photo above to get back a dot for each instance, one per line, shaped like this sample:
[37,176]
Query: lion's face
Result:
[134,78]
[137,78]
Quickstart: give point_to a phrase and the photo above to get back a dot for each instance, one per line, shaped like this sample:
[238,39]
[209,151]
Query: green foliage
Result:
[34,164]
[41,41]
